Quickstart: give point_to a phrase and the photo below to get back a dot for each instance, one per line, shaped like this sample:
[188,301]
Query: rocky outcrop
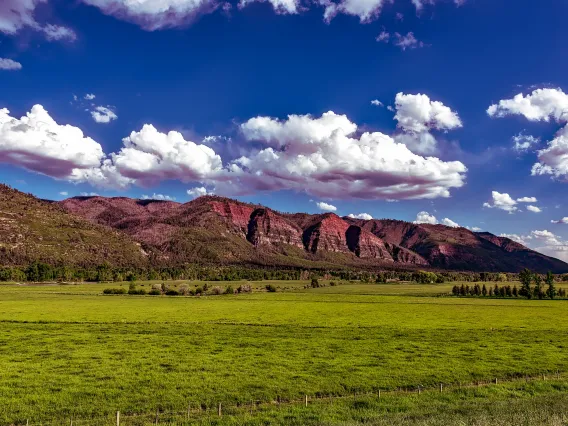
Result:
[327,234]
[266,227]
[366,245]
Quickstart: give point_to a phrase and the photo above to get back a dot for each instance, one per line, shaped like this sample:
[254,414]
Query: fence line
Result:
[203,410]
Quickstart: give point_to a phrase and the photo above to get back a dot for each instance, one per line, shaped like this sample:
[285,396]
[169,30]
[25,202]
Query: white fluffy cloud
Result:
[543,241]
[541,104]
[364,216]
[408,41]
[37,143]
[154,15]
[103,115]
[326,207]
[527,200]
[417,113]
[502,202]
[90,96]
[198,192]
[450,223]
[553,160]
[534,209]
[564,220]
[522,142]
[18,14]
[64,193]
[425,217]
[376,102]
[521,239]
[159,197]
[9,65]
[324,157]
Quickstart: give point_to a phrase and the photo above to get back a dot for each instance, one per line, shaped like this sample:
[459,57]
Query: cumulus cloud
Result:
[38,143]
[425,217]
[280,6]
[159,197]
[553,160]
[540,105]
[417,115]
[198,192]
[18,14]
[564,220]
[376,102]
[543,241]
[326,207]
[521,239]
[383,37]
[450,223]
[89,194]
[364,216]
[89,96]
[64,193]
[473,228]
[153,15]
[325,157]
[9,65]
[103,115]
[534,209]
[527,200]
[522,143]
[501,201]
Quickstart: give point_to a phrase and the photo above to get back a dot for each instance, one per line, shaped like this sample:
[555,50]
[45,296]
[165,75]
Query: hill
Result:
[219,230]
[36,230]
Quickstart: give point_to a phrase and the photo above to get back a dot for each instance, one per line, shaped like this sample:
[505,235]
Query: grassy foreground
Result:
[66,351]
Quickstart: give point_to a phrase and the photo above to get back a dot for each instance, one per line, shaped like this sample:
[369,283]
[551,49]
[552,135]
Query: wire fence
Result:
[198,411]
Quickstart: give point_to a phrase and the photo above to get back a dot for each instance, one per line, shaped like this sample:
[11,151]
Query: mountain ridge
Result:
[224,230]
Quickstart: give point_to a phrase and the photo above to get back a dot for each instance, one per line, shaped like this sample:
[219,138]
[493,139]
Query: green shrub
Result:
[172,293]
[270,288]
[137,292]
[155,292]
[315,283]
[245,288]
[229,290]
[332,283]
[114,291]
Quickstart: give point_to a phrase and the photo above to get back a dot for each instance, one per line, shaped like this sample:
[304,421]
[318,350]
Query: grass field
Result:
[68,351]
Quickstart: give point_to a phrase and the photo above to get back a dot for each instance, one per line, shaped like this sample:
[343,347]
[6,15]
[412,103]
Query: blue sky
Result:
[227,77]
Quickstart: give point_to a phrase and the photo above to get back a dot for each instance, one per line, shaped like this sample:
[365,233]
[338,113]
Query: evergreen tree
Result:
[515,291]
[525,277]
[537,291]
[490,291]
[508,291]
[484,290]
[551,290]
[496,291]
[462,290]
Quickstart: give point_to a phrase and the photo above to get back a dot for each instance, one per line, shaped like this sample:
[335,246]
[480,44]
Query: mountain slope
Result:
[35,230]
[220,230]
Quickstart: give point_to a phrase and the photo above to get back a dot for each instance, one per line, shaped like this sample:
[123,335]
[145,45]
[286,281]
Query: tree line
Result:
[532,285]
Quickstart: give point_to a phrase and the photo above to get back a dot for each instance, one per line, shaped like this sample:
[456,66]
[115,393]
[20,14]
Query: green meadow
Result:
[70,352]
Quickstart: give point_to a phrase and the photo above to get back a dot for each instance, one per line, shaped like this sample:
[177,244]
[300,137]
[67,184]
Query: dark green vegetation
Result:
[34,230]
[70,351]
[526,277]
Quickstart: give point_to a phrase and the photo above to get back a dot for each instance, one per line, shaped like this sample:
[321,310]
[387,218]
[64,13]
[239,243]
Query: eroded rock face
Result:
[402,255]
[366,245]
[327,234]
[266,227]
[236,213]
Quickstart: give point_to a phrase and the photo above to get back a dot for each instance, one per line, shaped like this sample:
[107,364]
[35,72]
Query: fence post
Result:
[495,380]
[441,387]
[118,418]
[379,394]
[220,413]
[157,415]
[306,400]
